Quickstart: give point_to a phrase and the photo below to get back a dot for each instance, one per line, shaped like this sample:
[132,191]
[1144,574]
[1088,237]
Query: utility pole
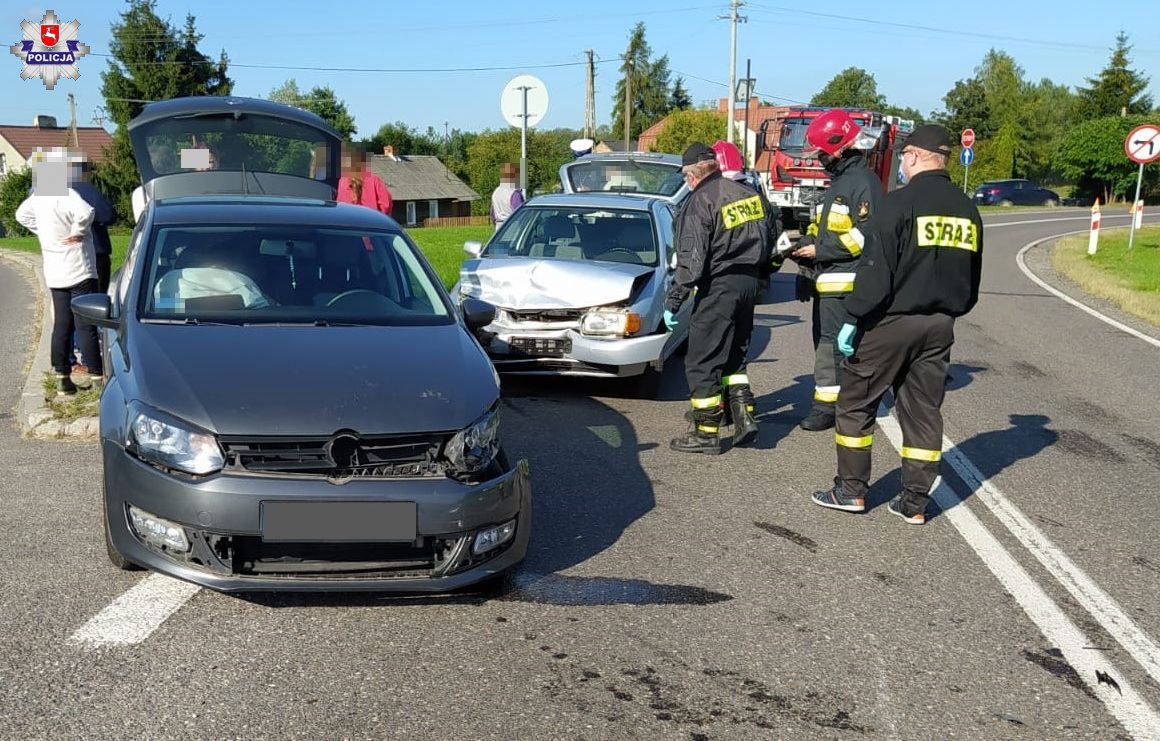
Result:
[627,102]
[590,99]
[733,19]
[72,106]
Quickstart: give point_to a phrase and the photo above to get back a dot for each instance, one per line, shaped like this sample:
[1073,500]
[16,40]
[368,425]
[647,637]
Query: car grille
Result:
[547,315]
[342,456]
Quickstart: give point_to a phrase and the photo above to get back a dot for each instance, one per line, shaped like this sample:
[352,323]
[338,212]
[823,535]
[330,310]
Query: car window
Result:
[578,234]
[625,176]
[289,274]
[665,227]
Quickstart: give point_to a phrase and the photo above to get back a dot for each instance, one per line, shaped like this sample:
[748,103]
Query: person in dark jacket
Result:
[722,241]
[831,246]
[105,217]
[920,269]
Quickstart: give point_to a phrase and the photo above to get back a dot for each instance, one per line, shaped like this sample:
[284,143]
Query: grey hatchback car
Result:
[293,401]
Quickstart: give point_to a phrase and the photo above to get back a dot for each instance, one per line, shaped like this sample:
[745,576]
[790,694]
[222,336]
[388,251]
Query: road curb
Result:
[35,418]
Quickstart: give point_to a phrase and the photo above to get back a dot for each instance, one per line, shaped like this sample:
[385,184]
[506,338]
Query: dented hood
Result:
[532,283]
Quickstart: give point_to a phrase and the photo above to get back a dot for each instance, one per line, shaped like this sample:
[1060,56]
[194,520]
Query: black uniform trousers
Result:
[828,316]
[909,353]
[719,334]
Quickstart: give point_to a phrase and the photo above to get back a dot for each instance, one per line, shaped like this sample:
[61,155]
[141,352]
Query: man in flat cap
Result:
[722,243]
[920,270]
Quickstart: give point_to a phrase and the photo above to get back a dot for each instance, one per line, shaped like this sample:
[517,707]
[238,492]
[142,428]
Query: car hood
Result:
[268,380]
[529,283]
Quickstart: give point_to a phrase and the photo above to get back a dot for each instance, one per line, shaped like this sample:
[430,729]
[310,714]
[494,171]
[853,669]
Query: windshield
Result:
[243,274]
[572,233]
[250,143]
[626,176]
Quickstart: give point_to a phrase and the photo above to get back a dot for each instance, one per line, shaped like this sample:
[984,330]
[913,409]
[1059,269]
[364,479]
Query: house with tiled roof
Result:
[422,188]
[17,143]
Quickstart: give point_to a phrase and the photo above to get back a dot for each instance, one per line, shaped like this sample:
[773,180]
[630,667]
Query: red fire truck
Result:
[794,182]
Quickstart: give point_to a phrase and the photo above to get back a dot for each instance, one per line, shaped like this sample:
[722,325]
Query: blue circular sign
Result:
[967,156]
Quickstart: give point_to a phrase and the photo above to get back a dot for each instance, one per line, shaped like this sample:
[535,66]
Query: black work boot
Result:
[741,409]
[65,385]
[704,433]
[821,417]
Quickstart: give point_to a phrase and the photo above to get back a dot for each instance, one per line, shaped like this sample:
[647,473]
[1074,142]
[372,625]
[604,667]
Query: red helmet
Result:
[832,132]
[728,156]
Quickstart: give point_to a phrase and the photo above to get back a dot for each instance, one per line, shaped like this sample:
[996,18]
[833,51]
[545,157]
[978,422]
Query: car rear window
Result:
[625,176]
[299,274]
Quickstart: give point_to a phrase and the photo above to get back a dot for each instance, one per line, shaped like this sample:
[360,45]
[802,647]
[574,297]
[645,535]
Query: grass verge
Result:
[1129,279]
[84,403]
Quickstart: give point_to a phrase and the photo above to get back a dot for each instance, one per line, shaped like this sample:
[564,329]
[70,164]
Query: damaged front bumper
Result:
[222,519]
[568,352]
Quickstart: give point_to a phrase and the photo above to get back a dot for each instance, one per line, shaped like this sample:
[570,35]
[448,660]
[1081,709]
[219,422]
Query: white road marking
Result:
[133,616]
[1077,304]
[987,227]
[1136,716]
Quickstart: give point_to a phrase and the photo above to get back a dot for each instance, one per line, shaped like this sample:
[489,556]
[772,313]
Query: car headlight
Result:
[474,448]
[164,441]
[610,322]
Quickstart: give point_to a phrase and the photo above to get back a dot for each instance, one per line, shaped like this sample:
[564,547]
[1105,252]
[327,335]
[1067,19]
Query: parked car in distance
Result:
[1015,192]
[293,401]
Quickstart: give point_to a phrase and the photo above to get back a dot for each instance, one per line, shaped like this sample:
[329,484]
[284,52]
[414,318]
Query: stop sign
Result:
[968,138]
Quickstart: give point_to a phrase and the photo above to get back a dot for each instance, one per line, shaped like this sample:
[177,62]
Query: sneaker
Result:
[65,385]
[836,498]
[895,507]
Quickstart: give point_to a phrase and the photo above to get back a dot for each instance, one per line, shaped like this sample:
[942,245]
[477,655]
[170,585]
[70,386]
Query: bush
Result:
[14,189]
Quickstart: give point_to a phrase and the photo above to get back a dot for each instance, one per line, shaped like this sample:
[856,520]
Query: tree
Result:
[405,139]
[1117,88]
[966,108]
[547,151]
[650,86]
[320,101]
[150,60]
[1092,155]
[1048,114]
[1002,81]
[853,87]
[682,128]
[13,190]
[679,99]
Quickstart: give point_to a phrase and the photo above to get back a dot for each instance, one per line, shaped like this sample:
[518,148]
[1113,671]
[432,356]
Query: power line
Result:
[932,29]
[758,93]
[381,70]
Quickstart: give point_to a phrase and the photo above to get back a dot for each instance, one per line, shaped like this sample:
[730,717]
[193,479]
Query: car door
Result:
[666,224]
[1024,193]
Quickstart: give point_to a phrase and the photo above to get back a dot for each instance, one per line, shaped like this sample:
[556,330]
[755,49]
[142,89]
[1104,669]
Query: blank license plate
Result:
[540,346]
[305,522]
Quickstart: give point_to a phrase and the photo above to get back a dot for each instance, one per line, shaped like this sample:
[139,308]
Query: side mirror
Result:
[475,249]
[95,308]
[477,314]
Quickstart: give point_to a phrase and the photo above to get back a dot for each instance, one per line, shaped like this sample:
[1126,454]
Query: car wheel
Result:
[648,384]
[1051,203]
[115,556]
[1005,202]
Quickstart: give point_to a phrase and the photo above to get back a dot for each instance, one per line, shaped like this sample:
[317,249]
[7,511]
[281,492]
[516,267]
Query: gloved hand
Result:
[670,320]
[806,240]
[846,339]
[803,288]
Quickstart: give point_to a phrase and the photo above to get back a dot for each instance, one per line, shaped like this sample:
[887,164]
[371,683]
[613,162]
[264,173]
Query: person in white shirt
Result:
[62,225]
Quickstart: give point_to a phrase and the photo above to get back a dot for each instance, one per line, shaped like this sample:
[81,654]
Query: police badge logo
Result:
[49,50]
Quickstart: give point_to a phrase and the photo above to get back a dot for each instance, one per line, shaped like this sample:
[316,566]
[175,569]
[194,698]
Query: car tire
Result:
[1005,203]
[1051,203]
[648,384]
[115,556]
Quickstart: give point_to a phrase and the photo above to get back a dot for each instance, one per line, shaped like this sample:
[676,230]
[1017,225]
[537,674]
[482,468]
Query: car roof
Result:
[215,210]
[673,159]
[626,202]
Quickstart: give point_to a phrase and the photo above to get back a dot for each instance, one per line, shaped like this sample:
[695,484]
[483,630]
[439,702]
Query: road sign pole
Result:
[1139,179]
[966,172]
[524,146]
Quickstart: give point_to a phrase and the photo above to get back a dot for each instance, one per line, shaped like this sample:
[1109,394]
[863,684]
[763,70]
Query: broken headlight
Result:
[163,441]
[474,448]
[610,322]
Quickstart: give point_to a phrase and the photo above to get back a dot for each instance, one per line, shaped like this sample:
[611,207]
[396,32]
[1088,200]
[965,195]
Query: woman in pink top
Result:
[359,185]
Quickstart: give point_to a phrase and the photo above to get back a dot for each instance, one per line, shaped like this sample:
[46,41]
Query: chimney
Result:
[42,121]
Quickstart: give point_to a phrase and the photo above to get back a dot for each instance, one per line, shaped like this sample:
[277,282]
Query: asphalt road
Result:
[671,597]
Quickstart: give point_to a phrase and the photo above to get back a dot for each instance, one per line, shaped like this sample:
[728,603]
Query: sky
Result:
[915,54]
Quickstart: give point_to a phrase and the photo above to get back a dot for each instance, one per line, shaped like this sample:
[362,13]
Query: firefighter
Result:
[740,406]
[920,270]
[831,246]
[722,239]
